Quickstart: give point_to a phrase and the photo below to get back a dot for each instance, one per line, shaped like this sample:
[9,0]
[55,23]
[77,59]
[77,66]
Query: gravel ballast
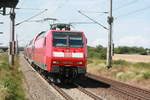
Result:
[36,87]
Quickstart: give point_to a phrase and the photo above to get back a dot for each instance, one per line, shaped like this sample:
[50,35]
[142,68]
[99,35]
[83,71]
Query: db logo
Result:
[68,54]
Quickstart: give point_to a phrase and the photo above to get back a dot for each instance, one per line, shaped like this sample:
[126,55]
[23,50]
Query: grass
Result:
[10,80]
[96,61]
[142,65]
[122,70]
[120,62]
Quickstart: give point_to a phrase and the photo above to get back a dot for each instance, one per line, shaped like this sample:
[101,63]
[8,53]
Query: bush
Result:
[130,50]
[146,75]
[89,61]
[97,52]
[4,92]
[10,80]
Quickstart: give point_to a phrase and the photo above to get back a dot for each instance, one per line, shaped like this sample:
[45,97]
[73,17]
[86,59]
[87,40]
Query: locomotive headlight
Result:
[80,62]
[55,62]
[77,55]
[58,54]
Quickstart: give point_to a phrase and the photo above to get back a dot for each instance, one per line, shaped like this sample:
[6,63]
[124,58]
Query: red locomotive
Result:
[59,53]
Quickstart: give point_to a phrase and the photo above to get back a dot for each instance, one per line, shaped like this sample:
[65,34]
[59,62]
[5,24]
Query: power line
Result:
[61,5]
[125,5]
[43,20]
[28,9]
[93,20]
[31,17]
[95,12]
[133,12]
[81,23]
[23,1]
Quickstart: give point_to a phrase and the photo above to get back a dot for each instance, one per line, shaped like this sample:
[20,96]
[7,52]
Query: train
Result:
[60,53]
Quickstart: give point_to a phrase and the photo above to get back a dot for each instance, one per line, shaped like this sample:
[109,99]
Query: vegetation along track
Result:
[126,89]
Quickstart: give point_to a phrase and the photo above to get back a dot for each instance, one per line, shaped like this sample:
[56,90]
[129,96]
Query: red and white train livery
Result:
[60,53]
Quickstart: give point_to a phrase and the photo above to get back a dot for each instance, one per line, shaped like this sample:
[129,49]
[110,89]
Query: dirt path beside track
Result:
[36,88]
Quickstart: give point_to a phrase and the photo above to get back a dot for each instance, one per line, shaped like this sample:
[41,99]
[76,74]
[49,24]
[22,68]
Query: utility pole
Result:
[1,23]
[17,49]
[109,48]
[12,5]
[12,37]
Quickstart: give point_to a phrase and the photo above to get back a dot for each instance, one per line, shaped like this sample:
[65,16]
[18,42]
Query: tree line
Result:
[100,51]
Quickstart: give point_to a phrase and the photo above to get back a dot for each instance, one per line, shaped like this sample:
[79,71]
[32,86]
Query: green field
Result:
[121,70]
[10,80]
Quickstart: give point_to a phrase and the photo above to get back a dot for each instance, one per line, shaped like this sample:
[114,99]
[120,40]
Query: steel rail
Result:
[59,90]
[64,94]
[124,88]
[87,92]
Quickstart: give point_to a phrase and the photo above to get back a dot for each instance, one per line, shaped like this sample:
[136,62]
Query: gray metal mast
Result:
[16,47]
[12,37]
[109,48]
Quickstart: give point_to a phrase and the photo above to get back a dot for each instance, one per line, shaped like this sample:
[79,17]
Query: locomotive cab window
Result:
[59,40]
[75,40]
[67,39]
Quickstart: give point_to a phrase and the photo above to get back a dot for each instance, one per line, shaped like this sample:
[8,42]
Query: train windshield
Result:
[67,39]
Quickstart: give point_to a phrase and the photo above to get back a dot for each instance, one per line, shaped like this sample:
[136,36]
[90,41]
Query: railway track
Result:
[57,88]
[81,89]
[121,88]
[88,92]
[65,95]
[131,91]
[78,87]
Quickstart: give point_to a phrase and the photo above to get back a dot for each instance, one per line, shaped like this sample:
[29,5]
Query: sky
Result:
[131,25]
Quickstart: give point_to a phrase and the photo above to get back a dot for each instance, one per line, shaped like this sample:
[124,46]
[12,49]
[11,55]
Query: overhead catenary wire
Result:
[23,1]
[43,20]
[126,5]
[29,9]
[31,17]
[133,12]
[93,20]
[60,6]
[105,12]
[81,23]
